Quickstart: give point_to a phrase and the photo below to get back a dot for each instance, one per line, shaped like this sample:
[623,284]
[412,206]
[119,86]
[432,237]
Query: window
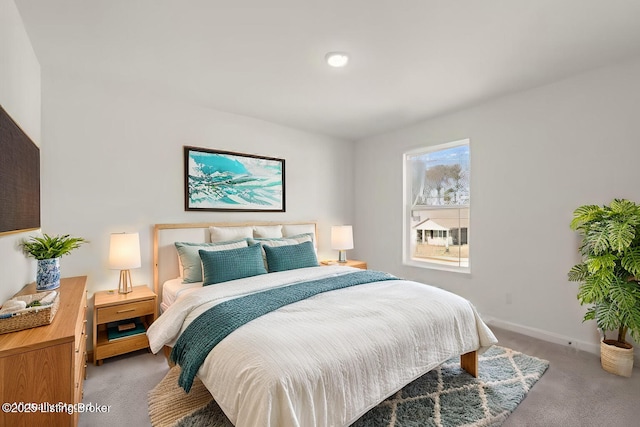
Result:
[436,206]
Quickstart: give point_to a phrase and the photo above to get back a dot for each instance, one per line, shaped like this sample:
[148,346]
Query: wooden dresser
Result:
[46,365]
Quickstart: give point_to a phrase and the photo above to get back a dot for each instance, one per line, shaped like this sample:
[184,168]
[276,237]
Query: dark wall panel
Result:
[19,178]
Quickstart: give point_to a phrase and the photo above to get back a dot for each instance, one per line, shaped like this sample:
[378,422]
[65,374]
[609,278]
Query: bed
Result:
[324,360]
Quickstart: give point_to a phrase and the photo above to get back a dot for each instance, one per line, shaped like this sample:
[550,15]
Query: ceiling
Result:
[409,59]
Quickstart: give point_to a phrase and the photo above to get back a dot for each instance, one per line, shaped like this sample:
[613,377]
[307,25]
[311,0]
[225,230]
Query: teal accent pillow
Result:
[232,264]
[190,258]
[279,241]
[290,257]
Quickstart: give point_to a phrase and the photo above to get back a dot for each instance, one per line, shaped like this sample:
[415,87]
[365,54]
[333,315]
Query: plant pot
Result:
[48,275]
[616,357]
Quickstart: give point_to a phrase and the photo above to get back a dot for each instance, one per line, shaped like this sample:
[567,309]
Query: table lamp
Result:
[124,254]
[341,240]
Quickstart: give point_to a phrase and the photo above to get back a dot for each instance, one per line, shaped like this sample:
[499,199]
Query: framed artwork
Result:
[217,180]
[19,178]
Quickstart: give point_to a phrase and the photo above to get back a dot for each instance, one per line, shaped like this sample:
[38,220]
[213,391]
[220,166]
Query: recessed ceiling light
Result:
[337,59]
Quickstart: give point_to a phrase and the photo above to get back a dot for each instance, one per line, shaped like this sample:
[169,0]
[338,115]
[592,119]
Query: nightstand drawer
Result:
[125,311]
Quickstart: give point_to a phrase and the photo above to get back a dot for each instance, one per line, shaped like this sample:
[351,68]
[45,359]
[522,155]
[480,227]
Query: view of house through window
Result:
[437,205]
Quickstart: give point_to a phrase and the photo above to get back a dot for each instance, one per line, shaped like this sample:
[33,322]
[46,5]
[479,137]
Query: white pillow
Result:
[282,241]
[290,230]
[267,231]
[223,234]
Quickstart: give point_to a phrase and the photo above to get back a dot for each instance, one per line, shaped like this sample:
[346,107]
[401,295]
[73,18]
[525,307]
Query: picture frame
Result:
[19,178]
[217,180]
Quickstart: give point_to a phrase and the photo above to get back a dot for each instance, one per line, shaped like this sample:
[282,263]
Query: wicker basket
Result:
[31,317]
[616,360]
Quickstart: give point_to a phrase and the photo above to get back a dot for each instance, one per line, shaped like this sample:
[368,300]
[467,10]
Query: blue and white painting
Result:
[221,180]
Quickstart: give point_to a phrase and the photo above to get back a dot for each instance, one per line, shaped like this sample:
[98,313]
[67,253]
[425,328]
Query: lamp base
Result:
[342,256]
[125,286]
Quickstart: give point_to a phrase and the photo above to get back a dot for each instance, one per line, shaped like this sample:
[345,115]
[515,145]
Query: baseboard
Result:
[550,336]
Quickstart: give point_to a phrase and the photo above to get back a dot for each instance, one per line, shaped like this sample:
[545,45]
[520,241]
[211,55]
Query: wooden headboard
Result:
[165,256]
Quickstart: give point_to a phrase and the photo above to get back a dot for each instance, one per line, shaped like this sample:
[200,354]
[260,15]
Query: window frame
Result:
[407,233]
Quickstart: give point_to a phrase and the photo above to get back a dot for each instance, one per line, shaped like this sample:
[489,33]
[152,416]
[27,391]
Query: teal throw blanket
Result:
[215,324]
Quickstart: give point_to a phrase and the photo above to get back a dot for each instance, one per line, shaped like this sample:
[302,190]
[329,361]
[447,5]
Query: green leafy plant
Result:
[610,266]
[47,247]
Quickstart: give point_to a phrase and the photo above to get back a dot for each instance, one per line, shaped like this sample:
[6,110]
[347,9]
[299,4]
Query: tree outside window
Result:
[437,204]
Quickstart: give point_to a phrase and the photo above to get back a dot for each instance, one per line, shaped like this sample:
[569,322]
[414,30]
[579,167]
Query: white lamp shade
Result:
[124,251]
[341,237]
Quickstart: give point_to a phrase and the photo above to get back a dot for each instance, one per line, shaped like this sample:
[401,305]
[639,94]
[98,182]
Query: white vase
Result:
[48,275]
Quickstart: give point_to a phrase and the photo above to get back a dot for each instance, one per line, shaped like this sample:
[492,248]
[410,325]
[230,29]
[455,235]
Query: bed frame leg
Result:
[167,352]
[469,362]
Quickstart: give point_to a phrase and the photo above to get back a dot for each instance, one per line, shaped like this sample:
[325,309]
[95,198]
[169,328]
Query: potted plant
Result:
[608,274]
[48,250]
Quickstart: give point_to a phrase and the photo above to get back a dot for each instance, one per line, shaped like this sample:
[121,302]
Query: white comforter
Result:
[327,360]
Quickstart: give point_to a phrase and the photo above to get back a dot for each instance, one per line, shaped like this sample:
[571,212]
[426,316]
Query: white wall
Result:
[535,157]
[20,97]
[114,162]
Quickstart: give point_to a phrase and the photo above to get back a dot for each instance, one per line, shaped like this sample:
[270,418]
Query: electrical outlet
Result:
[509,299]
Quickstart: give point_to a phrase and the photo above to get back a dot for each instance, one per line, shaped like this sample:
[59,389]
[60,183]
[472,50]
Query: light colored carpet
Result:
[446,396]
[574,392]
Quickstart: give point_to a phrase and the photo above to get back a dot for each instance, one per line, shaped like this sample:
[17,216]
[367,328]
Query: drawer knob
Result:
[126,311]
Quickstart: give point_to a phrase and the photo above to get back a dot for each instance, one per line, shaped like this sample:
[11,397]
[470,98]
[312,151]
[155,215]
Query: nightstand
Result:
[350,263]
[112,310]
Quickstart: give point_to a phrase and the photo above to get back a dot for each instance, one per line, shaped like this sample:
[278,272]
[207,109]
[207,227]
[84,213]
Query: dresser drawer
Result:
[125,311]
[80,360]
[81,325]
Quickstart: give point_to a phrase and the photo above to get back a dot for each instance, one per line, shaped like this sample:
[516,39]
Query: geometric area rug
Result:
[445,397]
